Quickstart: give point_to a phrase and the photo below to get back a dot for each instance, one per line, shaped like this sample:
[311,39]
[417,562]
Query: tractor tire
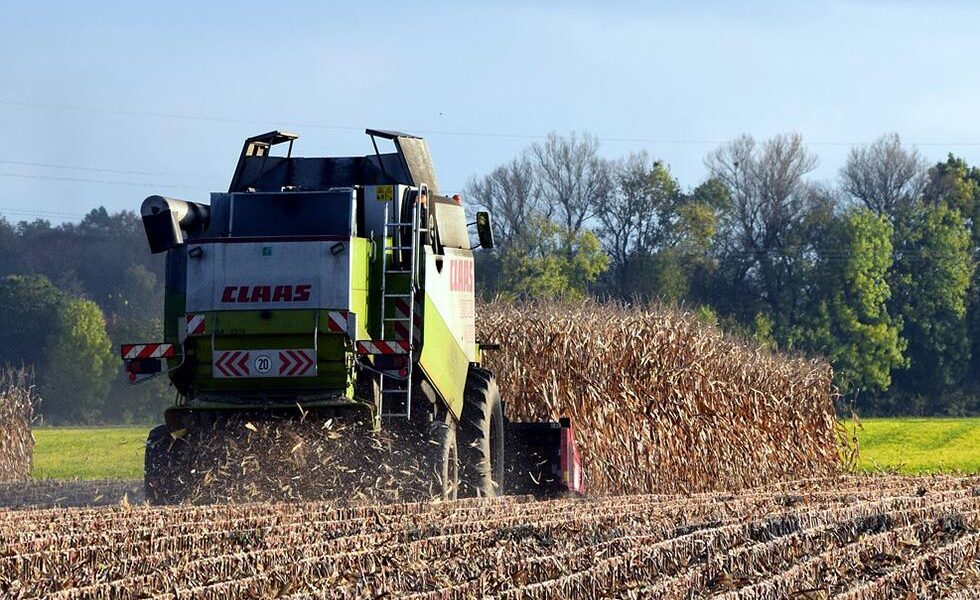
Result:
[443,459]
[162,464]
[481,437]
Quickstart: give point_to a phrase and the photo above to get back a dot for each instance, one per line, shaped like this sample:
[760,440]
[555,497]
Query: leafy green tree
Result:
[80,365]
[850,323]
[552,263]
[956,183]
[143,403]
[30,305]
[933,270]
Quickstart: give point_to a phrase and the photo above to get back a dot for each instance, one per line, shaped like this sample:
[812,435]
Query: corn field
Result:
[16,414]
[846,537]
[661,401]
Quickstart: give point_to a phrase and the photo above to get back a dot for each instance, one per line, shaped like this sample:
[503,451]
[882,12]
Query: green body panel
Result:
[360,271]
[173,311]
[244,330]
[444,363]
[277,329]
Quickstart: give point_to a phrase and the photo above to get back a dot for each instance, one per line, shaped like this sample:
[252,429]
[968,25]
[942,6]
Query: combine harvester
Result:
[337,288]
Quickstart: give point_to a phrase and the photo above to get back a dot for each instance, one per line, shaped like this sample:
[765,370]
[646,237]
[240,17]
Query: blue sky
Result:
[104,103]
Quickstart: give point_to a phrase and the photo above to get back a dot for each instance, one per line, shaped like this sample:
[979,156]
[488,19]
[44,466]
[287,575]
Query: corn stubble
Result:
[840,537]
[17,402]
[661,401]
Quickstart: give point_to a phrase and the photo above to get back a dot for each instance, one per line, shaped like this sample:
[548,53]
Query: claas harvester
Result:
[338,287]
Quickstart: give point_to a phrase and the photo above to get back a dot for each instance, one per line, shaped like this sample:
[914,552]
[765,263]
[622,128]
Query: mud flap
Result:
[542,459]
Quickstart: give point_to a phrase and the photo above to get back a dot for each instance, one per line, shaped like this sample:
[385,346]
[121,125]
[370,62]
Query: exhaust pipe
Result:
[166,220]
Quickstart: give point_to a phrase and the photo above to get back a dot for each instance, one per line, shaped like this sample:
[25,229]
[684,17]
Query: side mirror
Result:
[484,230]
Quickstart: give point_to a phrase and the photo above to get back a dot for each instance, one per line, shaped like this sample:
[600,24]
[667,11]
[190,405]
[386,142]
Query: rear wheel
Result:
[481,437]
[163,459]
[443,459]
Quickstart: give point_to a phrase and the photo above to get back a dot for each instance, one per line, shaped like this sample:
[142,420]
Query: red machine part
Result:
[541,459]
[569,461]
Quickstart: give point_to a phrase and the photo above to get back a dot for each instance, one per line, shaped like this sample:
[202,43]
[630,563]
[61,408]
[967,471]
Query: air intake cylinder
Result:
[168,220]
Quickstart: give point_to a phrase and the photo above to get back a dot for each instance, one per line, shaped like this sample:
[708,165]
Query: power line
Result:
[19,212]
[484,134]
[105,181]
[20,163]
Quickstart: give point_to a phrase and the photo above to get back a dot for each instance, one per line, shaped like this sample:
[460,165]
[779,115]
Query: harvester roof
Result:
[259,171]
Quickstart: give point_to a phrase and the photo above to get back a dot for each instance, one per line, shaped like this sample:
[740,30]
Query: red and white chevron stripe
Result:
[383,347]
[140,351]
[297,363]
[337,320]
[231,364]
[401,330]
[234,364]
[196,324]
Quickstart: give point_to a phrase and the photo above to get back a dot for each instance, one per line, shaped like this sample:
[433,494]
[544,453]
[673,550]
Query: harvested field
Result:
[16,414]
[852,537]
[53,494]
[663,402]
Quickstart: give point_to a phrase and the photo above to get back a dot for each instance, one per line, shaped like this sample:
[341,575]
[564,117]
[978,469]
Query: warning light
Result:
[457,199]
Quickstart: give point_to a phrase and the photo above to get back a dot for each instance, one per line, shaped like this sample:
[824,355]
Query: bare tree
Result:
[509,192]
[638,214]
[884,175]
[767,186]
[574,179]
[769,199]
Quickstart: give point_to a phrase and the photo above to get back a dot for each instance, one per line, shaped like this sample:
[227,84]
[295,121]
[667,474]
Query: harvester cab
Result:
[341,287]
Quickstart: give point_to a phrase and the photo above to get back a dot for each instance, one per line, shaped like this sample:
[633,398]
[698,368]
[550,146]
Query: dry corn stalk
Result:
[16,414]
[663,402]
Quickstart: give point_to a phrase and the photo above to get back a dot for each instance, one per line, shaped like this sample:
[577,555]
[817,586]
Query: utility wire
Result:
[20,163]
[484,134]
[105,181]
[16,212]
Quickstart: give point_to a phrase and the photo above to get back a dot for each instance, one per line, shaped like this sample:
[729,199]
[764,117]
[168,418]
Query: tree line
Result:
[70,295]
[876,270]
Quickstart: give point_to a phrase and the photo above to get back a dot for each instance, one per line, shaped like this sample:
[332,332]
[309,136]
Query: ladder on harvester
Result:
[399,285]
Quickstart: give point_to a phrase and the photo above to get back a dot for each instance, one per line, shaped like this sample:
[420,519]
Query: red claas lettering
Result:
[461,276]
[265,294]
[260,293]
